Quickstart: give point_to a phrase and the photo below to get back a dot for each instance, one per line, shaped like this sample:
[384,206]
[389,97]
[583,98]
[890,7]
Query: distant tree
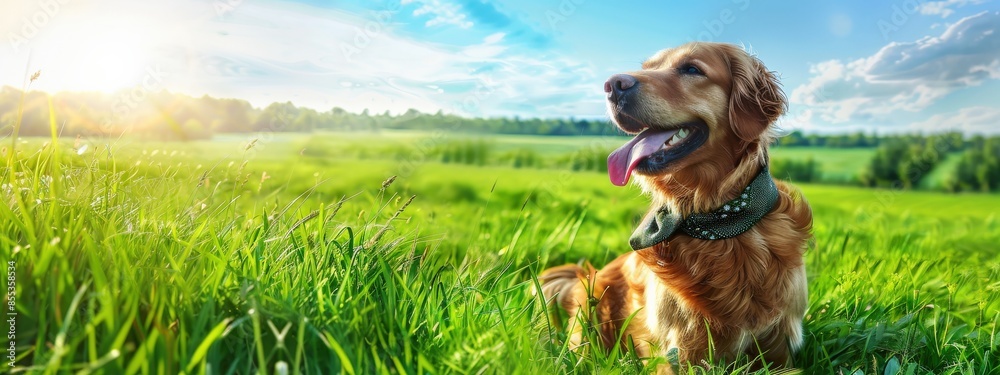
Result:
[901,163]
[796,170]
[194,129]
[276,117]
[306,121]
[233,116]
[979,167]
[793,139]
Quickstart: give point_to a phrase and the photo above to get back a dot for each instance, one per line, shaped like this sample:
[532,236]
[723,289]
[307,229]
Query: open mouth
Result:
[654,149]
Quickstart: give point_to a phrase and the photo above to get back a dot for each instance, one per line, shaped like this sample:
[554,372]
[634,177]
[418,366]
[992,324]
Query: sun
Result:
[106,58]
[113,63]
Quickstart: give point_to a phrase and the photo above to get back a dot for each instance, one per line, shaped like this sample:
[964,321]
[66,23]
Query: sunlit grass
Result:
[149,257]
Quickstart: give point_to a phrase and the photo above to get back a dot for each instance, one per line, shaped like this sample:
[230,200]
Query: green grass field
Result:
[840,166]
[296,255]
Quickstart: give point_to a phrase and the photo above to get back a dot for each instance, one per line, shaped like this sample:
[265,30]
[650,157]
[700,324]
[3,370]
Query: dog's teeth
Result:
[682,133]
[672,141]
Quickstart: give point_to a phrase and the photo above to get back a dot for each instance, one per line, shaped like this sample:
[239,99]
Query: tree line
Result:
[853,140]
[165,115]
[900,161]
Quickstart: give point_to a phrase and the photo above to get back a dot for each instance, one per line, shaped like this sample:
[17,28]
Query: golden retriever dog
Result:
[717,268]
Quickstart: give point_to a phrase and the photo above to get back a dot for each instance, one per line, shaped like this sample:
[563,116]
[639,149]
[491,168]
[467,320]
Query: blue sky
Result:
[908,65]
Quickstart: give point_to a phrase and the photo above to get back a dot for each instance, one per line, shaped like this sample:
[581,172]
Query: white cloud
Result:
[494,38]
[983,120]
[442,13]
[944,8]
[904,77]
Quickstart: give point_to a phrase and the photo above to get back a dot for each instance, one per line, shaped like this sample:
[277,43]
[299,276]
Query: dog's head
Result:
[698,111]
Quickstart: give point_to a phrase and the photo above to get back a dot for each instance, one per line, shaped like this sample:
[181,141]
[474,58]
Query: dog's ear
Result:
[756,100]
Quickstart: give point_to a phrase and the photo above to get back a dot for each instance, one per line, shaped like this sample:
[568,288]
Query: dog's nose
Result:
[619,85]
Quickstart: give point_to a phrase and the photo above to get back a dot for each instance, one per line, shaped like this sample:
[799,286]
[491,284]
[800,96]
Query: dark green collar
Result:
[730,220]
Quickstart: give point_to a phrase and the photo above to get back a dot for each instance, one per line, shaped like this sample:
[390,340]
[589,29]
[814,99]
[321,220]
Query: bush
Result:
[521,158]
[904,162]
[796,170]
[450,192]
[587,159]
[464,152]
[979,168]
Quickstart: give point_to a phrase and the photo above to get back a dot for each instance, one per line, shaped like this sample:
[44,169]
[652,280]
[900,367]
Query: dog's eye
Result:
[691,69]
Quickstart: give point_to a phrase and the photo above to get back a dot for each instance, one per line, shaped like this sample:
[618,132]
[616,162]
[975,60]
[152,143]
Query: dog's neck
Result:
[700,189]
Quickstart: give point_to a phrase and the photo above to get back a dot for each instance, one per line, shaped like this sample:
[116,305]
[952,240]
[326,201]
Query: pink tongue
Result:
[622,161]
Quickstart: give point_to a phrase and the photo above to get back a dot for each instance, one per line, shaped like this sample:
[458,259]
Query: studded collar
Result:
[732,219]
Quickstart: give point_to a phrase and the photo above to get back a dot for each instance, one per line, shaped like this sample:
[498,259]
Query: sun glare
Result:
[113,64]
[106,58]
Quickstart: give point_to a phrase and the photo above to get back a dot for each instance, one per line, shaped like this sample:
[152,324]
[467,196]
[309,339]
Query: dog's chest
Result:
[673,324]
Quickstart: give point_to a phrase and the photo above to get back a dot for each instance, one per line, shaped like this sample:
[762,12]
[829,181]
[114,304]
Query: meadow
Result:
[358,253]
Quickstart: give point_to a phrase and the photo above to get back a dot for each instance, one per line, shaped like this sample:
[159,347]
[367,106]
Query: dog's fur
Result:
[747,294]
